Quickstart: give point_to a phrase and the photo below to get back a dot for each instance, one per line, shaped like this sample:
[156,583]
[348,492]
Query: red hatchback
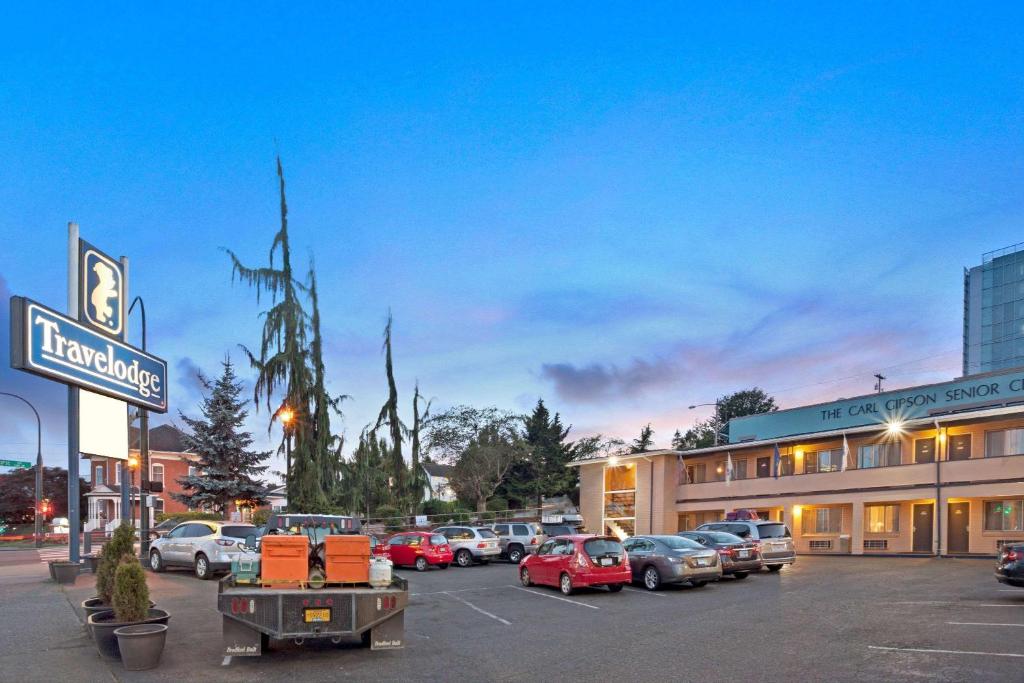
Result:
[420,549]
[570,562]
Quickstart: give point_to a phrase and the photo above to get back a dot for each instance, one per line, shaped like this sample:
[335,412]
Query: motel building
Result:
[931,470]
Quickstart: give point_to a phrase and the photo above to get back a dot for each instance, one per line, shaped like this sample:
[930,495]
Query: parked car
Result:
[471,544]
[1010,565]
[773,540]
[570,562]
[379,548]
[516,539]
[552,530]
[657,560]
[738,557]
[162,528]
[205,547]
[420,549]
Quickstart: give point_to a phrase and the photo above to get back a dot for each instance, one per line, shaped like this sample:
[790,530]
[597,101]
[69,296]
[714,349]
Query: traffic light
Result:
[46,507]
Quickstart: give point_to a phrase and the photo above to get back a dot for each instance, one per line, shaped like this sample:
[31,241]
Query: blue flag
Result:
[777,461]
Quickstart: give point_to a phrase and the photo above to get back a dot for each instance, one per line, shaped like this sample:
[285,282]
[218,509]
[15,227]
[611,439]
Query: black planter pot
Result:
[94,605]
[89,563]
[64,572]
[103,625]
[141,645]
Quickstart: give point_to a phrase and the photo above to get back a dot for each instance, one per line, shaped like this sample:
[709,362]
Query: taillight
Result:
[581,561]
[225,542]
[1011,555]
[481,545]
[533,541]
[725,552]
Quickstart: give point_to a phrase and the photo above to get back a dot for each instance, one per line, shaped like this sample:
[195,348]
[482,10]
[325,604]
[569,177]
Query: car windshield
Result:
[596,547]
[681,543]
[486,533]
[438,539]
[237,531]
[772,531]
[723,537]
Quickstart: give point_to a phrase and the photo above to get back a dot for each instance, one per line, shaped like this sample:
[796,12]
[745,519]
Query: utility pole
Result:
[144,484]
[878,384]
[38,535]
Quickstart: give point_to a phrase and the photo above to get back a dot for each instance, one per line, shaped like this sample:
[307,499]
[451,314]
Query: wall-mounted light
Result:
[894,427]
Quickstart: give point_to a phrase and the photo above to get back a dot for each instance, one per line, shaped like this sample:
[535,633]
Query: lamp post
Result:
[287,415]
[143,449]
[716,404]
[38,531]
[133,464]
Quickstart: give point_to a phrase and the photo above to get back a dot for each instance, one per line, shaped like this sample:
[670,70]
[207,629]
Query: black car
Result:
[162,528]
[739,557]
[1010,565]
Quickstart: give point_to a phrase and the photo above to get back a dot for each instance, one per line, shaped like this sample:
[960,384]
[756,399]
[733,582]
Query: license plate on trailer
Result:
[606,561]
[316,616]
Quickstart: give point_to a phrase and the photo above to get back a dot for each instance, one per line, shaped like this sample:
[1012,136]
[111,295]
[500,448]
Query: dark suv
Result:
[774,542]
[739,556]
[1010,565]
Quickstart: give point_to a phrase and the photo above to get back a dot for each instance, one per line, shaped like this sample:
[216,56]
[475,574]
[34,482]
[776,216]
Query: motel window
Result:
[959,447]
[620,500]
[878,455]
[785,465]
[696,474]
[924,450]
[1004,442]
[764,467]
[883,519]
[720,471]
[1004,515]
[191,471]
[822,520]
[823,461]
[98,477]
[158,474]
[739,469]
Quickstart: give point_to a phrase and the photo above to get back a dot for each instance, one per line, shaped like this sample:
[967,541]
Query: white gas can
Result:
[380,572]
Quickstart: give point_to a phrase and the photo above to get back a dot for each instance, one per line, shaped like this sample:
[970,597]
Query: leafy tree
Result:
[226,468]
[18,494]
[480,468]
[715,429]
[643,443]
[448,434]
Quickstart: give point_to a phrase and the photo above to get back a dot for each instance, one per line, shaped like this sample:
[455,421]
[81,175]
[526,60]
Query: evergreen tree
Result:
[389,416]
[677,441]
[226,470]
[417,478]
[643,443]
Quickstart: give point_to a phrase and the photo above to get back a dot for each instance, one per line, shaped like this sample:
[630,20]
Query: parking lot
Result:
[846,619]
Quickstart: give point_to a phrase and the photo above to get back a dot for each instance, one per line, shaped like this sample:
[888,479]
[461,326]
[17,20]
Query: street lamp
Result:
[133,464]
[286,415]
[143,449]
[38,535]
[716,404]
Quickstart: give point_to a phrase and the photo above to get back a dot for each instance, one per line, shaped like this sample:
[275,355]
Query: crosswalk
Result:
[52,554]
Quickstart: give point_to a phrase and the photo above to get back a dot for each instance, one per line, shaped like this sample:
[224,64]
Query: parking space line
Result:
[227,660]
[926,602]
[457,590]
[554,597]
[467,603]
[980,623]
[637,590]
[1021,605]
[944,652]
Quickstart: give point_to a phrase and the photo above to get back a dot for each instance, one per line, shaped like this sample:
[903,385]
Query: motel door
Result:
[959,533]
[923,514]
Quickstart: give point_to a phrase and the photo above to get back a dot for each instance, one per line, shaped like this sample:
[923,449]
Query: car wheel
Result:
[463,558]
[421,564]
[698,584]
[515,554]
[615,587]
[156,563]
[524,577]
[652,579]
[202,567]
[740,575]
[774,567]
[565,584]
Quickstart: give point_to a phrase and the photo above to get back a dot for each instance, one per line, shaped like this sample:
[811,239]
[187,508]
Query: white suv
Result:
[204,547]
[774,542]
[471,544]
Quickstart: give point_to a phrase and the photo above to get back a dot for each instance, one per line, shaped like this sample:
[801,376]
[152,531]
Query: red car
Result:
[420,549]
[379,548]
[570,562]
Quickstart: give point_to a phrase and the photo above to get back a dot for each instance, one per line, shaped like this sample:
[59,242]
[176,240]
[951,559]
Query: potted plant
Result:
[120,544]
[140,644]
[64,571]
[127,611]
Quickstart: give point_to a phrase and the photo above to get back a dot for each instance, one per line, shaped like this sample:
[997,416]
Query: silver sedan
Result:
[657,560]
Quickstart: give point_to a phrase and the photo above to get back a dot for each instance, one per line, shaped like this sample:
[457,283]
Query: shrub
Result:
[120,544]
[187,516]
[391,517]
[443,507]
[260,517]
[131,594]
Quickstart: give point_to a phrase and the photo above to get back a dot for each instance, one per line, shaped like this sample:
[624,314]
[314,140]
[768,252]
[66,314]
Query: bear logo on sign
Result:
[103,292]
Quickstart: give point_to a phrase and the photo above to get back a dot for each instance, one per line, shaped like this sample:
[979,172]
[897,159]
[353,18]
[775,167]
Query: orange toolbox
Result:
[284,560]
[347,559]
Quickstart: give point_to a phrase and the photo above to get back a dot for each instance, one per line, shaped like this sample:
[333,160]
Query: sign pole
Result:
[74,516]
[126,488]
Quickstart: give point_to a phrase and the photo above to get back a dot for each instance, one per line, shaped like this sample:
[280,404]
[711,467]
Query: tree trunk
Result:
[481,505]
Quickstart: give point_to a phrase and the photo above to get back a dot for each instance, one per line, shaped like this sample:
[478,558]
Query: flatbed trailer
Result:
[252,615]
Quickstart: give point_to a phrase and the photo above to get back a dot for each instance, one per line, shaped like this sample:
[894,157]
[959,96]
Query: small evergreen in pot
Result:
[130,600]
[120,544]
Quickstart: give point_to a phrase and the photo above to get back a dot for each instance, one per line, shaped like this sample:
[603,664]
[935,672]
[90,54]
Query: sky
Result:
[622,210]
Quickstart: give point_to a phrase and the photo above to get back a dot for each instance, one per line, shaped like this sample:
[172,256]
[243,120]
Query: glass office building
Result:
[994,312]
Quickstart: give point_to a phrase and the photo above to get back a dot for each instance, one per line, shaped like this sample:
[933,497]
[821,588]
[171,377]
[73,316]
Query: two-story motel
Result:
[934,469]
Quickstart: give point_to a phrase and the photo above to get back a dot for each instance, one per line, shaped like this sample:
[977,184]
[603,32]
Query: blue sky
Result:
[622,210]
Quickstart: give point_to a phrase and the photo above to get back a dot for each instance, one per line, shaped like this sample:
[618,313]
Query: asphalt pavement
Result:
[826,618]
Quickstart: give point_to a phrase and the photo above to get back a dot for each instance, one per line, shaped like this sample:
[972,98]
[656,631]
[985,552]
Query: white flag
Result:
[846,453]
[728,468]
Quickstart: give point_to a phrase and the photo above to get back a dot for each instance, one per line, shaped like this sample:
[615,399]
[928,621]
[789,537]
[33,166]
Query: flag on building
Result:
[777,461]
[846,454]
[728,468]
